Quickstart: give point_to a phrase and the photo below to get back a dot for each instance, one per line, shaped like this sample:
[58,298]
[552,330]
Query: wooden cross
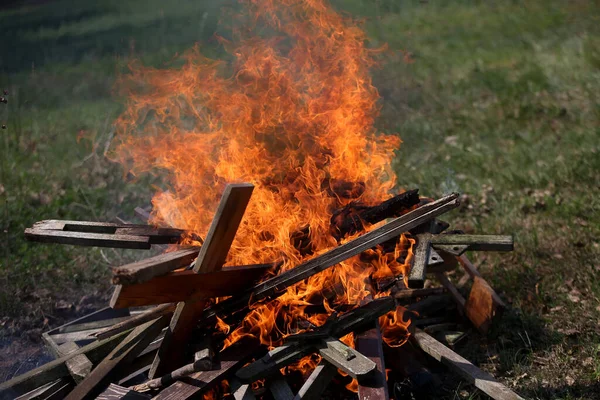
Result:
[210,259]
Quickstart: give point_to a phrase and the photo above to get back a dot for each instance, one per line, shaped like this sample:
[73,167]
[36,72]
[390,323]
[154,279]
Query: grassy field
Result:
[497,100]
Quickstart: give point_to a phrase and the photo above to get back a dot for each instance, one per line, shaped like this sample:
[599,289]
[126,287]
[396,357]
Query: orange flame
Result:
[293,114]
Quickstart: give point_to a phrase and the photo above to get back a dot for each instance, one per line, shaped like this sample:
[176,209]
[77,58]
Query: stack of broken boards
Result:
[157,338]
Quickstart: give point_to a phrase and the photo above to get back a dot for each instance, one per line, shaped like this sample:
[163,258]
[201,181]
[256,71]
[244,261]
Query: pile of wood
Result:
[158,338]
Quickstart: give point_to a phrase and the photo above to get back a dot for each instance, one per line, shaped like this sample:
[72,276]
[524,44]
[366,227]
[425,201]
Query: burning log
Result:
[482,380]
[277,284]
[351,218]
[305,343]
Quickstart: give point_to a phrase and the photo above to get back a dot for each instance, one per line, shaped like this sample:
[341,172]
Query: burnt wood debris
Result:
[158,337]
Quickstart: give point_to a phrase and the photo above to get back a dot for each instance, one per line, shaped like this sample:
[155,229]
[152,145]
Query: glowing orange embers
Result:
[290,110]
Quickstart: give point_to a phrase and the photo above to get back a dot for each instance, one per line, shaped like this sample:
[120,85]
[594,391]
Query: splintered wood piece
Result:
[231,358]
[482,380]
[121,355]
[317,382]
[474,242]
[79,366]
[53,370]
[88,239]
[57,389]
[279,283]
[280,389]
[346,358]
[370,344]
[181,285]
[416,278]
[483,305]
[136,320]
[211,258]
[116,392]
[241,391]
[144,270]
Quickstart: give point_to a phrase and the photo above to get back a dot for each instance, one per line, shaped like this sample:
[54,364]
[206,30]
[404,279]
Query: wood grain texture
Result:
[482,380]
[79,366]
[346,358]
[136,320]
[53,370]
[145,270]
[476,242]
[416,277]
[181,285]
[231,358]
[210,259]
[88,239]
[116,392]
[121,355]
[370,344]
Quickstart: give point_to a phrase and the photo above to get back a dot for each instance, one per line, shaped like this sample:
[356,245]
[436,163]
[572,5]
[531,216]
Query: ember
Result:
[313,269]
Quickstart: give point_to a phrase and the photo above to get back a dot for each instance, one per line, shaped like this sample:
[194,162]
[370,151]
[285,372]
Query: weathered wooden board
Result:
[317,382]
[53,370]
[482,380]
[88,239]
[116,392]
[79,366]
[181,285]
[136,320]
[231,358]
[210,259]
[121,355]
[370,344]
[145,270]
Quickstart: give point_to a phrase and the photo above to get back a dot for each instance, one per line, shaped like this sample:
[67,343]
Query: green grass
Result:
[500,102]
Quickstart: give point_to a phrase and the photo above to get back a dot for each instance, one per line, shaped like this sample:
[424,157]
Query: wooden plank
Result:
[483,305]
[87,334]
[370,344]
[136,320]
[280,389]
[181,285]
[50,390]
[279,283]
[475,242]
[416,277]
[231,358]
[210,259]
[346,358]
[482,380]
[317,382]
[121,355]
[116,392]
[79,366]
[240,391]
[88,239]
[55,369]
[145,270]
[104,314]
